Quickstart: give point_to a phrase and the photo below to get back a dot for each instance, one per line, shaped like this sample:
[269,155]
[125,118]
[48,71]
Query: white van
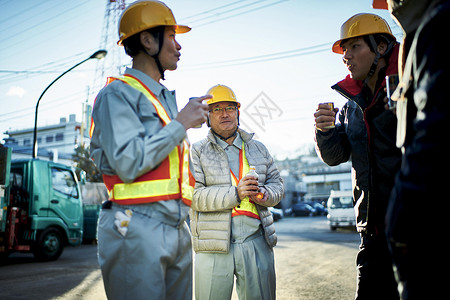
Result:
[340,209]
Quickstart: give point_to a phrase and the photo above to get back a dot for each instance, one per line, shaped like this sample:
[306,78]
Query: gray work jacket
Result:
[129,139]
[215,196]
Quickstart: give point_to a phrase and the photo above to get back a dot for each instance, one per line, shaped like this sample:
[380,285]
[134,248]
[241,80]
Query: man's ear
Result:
[381,48]
[149,42]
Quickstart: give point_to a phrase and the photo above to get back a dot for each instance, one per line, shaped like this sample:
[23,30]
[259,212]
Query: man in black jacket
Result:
[418,212]
[366,133]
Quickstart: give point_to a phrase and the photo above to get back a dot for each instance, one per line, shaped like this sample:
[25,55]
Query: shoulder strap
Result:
[137,84]
[141,87]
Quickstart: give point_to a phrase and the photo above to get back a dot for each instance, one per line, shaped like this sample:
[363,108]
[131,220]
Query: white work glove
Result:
[122,220]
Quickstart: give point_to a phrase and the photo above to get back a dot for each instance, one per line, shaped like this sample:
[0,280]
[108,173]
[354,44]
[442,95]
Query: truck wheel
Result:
[49,245]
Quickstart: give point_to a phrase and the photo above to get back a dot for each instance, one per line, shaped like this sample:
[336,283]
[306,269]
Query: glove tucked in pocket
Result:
[122,221]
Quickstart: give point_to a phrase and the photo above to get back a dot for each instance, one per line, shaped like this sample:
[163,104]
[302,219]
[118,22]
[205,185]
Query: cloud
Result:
[16,91]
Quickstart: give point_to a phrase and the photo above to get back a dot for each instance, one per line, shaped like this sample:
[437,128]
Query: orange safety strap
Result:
[247,207]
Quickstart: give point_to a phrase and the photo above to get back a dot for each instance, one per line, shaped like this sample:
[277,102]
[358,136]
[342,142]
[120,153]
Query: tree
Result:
[83,162]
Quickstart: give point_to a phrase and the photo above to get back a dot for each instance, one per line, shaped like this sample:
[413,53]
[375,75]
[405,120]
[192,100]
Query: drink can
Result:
[331,105]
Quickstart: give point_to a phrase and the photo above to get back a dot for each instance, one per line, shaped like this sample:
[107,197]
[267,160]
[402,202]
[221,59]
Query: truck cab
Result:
[41,207]
[340,209]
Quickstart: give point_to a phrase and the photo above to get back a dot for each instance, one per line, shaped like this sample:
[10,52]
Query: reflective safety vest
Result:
[247,207]
[172,179]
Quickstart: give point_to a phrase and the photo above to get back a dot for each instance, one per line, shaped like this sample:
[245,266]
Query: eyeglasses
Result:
[218,110]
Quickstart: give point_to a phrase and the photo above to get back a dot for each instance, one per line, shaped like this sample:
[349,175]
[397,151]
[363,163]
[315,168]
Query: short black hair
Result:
[379,37]
[133,46]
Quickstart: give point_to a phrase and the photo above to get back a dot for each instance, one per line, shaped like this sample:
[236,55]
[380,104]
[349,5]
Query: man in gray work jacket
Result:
[232,230]
[138,143]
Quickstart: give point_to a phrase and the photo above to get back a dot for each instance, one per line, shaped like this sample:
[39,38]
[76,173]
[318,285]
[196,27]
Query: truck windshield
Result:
[63,181]
[342,202]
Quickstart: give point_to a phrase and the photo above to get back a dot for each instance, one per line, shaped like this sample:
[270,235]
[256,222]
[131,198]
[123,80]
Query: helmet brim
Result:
[179,29]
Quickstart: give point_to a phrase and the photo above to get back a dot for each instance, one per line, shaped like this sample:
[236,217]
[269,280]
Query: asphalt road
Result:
[312,262]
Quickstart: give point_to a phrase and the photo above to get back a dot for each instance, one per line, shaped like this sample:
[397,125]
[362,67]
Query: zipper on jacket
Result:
[368,151]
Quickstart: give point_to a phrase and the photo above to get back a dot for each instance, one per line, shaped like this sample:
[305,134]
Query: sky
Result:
[274,54]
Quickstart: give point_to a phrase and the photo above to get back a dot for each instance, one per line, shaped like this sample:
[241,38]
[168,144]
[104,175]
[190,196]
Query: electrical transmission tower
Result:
[116,60]
[112,65]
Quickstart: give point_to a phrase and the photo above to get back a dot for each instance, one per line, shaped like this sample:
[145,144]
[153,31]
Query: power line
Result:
[51,66]
[12,41]
[213,9]
[20,13]
[25,29]
[56,66]
[262,58]
[236,14]
[216,12]
[25,112]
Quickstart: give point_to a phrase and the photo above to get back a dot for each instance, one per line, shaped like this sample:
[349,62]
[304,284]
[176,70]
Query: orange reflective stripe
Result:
[92,126]
[172,179]
[246,207]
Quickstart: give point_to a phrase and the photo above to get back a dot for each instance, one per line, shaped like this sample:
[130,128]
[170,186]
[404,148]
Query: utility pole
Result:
[84,122]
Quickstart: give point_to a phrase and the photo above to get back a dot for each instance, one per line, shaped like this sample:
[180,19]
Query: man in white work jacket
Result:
[232,230]
[139,144]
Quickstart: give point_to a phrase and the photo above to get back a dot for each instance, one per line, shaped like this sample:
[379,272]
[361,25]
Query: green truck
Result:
[41,207]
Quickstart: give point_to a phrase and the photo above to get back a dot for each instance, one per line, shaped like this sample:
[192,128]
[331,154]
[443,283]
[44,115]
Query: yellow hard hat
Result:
[359,25]
[142,15]
[221,93]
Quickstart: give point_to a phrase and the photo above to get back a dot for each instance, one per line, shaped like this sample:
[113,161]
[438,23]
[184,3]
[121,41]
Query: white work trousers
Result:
[152,261]
[251,261]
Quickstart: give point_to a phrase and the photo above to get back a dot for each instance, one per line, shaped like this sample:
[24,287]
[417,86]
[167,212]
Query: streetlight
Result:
[98,55]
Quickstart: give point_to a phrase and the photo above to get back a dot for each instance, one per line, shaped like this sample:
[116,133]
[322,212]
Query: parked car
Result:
[303,209]
[320,209]
[277,213]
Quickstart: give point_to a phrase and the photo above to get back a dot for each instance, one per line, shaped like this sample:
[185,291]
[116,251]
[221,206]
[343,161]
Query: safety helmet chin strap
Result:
[225,138]
[378,55]
[160,37]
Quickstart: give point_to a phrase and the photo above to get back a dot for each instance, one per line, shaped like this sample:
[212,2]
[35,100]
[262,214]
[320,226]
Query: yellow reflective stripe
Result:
[174,162]
[145,189]
[159,108]
[187,191]
[160,187]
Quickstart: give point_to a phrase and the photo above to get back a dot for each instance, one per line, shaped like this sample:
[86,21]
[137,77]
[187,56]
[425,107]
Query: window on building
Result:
[26,142]
[49,138]
[59,137]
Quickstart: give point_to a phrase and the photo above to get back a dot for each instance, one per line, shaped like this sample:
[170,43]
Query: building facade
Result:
[307,178]
[55,142]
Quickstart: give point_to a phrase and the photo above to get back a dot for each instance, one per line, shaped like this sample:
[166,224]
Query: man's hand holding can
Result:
[325,116]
